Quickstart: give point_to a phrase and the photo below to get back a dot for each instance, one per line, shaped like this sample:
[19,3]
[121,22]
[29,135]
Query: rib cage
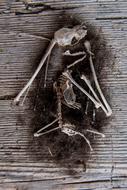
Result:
[68,95]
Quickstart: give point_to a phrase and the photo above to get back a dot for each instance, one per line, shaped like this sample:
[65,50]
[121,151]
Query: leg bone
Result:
[38,133]
[52,44]
[88,47]
[68,75]
[95,132]
[83,77]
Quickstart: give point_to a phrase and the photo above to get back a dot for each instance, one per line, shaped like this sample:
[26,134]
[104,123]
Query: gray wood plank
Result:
[23,168]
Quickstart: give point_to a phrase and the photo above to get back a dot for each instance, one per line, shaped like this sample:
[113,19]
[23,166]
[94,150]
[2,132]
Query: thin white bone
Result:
[95,132]
[52,44]
[50,124]
[83,77]
[62,37]
[99,89]
[68,93]
[68,75]
[77,61]
[77,105]
[94,116]
[68,53]
[87,81]
[40,134]
[73,106]
[88,47]
[50,151]
[46,70]
[25,96]
[87,104]
[71,132]
[88,142]
[65,85]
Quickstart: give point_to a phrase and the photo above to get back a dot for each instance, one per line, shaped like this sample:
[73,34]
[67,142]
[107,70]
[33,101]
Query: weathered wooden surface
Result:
[23,169]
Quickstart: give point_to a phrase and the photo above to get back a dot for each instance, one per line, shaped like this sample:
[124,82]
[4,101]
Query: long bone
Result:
[83,77]
[59,114]
[68,75]
[77,61]
[68,53]
[63,37]
[65,129]
[24,34]
[88,48]
[95,132]
[38,133]
[52,44]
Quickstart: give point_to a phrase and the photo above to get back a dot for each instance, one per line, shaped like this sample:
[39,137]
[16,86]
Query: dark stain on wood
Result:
[106,167]
[71,150]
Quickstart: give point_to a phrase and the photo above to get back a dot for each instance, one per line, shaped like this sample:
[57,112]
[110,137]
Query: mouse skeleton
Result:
[65,95]
[64,37]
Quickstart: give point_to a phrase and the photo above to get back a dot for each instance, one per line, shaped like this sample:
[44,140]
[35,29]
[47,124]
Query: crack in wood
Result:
[34,8]
[39,10]
[111,18]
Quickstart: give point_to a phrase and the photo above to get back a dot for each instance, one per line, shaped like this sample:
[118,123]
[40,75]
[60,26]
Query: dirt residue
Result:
[56,145]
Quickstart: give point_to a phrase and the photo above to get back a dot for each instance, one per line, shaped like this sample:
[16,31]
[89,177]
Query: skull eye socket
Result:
[74,41]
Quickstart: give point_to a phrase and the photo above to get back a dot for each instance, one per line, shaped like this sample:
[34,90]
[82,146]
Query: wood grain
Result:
[22,168]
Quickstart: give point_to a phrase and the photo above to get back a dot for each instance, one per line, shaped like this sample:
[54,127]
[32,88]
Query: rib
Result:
[77,61]
[68,53]
[68,75]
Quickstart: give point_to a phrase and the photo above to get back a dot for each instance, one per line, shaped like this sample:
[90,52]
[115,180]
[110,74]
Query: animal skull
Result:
[65,36]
